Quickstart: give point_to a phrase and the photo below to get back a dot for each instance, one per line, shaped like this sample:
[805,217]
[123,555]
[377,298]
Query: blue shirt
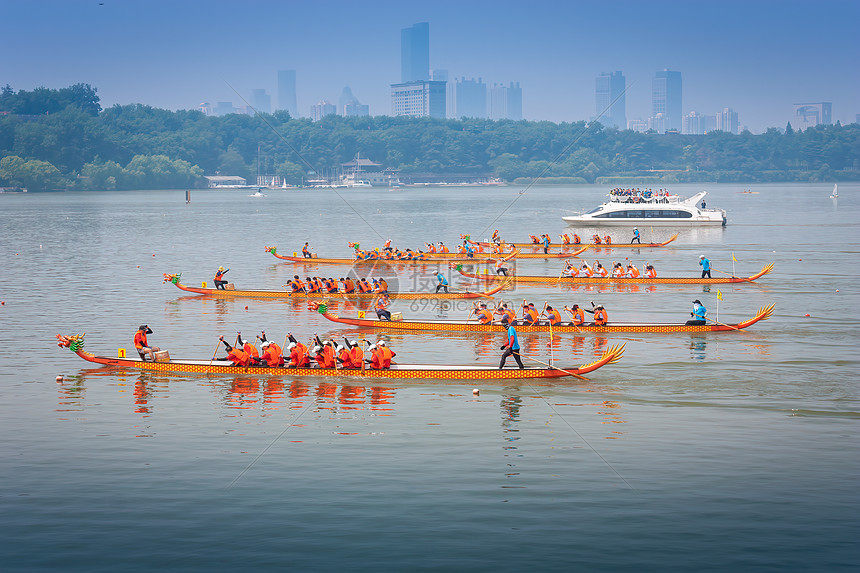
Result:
[635,232]
[700,311]
[442,279]
[545,241]
[706,264]
[512,332]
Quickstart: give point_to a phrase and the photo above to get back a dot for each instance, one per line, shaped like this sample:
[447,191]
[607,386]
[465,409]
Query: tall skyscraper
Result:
[471,98]
[287,92]
[415,53]
[506,102]
[416,94]
[261,101]
[608,87]
[666,101]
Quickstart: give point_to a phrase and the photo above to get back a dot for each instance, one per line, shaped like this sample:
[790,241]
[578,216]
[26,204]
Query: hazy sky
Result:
[756,56]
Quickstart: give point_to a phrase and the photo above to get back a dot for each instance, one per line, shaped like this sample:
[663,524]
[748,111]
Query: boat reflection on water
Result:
[698,344]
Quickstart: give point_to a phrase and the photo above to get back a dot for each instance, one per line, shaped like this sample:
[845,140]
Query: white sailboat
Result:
[835,194]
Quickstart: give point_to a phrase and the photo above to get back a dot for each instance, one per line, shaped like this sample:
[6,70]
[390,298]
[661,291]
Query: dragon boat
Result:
[573,245]
[222,293]
[559,280]
[495,256]
[764,313]
[446,258]
[399,371]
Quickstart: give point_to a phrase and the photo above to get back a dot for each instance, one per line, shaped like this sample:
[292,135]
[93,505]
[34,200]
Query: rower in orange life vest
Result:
[387,245]
[600,316]
[343,356]
[385,354]
[576,239]
[585,270]
[296,284]
[306,251]
[142,346]
[504,312]
[431,248]
[570,270]
[632,271]
[599,270]
[324,353]
[250,349]
[552,316]
[617,270]
[483,315]
[607,239]
[565,239]
[530,314]
[236,355]
[356,354]
[443,248]
[298,353]
[271,351]
[596,238]
[219,278]
[650,272]
[496,238]
[577,317]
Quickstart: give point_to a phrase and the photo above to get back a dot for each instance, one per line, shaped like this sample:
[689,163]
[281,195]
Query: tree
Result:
[34,175]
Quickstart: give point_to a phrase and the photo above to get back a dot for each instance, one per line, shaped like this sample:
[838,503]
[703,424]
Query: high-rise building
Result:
[287,92]
[261,101]
[348,105]
[415,53]
[666,101]
[812,114]
[727,120]
[438,75]
[506,102]
[609,88]
[322,109]
[471,98]
[419,99]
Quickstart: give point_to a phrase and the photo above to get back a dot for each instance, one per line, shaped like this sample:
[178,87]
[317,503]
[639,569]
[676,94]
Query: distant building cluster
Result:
[426,92]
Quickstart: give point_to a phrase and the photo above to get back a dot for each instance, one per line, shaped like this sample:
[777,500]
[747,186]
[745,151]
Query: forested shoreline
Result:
[63,140]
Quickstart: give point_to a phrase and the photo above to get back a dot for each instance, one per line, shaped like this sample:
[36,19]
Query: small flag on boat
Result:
[733,257]
[719,295]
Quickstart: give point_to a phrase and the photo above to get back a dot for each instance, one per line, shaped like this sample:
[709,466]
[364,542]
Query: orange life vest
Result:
[578,317]
[553,316]
[140,339]
[357,356]
[651,273]
[239,357]
[530,316]
[485,316]
[600,317]
[386,354]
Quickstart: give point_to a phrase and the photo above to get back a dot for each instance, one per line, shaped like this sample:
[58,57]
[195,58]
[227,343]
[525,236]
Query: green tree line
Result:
[63,139]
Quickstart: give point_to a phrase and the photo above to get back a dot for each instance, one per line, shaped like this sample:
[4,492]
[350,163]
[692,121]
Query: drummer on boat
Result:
[142,345]
[219,278]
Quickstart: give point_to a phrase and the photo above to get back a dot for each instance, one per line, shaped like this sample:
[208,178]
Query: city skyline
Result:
[177,55]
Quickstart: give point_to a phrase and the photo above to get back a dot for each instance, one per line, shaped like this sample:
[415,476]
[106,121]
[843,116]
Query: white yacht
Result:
[657,210]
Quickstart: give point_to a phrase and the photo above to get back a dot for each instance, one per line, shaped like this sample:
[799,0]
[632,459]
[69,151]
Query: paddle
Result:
[568,372]
[724,272]
[214,352]
[722,323]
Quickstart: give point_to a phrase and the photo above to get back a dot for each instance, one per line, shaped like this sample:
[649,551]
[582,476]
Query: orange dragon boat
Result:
[575,245]
[555,280]
[400,371]
[466,326]
[495,256]
[445,258]
[221,293]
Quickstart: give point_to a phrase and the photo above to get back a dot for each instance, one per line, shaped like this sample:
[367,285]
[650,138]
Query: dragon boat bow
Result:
[222,293]
[555,280]
[543,326]
[397,371]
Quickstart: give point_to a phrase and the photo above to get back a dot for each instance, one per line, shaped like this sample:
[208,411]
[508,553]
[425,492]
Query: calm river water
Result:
[728,451]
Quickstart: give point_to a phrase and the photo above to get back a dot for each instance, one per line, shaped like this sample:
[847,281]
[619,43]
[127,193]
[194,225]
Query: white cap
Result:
[354,342]
[266,343]
[317,348]
[701,256]
[339,348]
[372,347]
[381,343]
[291,346]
